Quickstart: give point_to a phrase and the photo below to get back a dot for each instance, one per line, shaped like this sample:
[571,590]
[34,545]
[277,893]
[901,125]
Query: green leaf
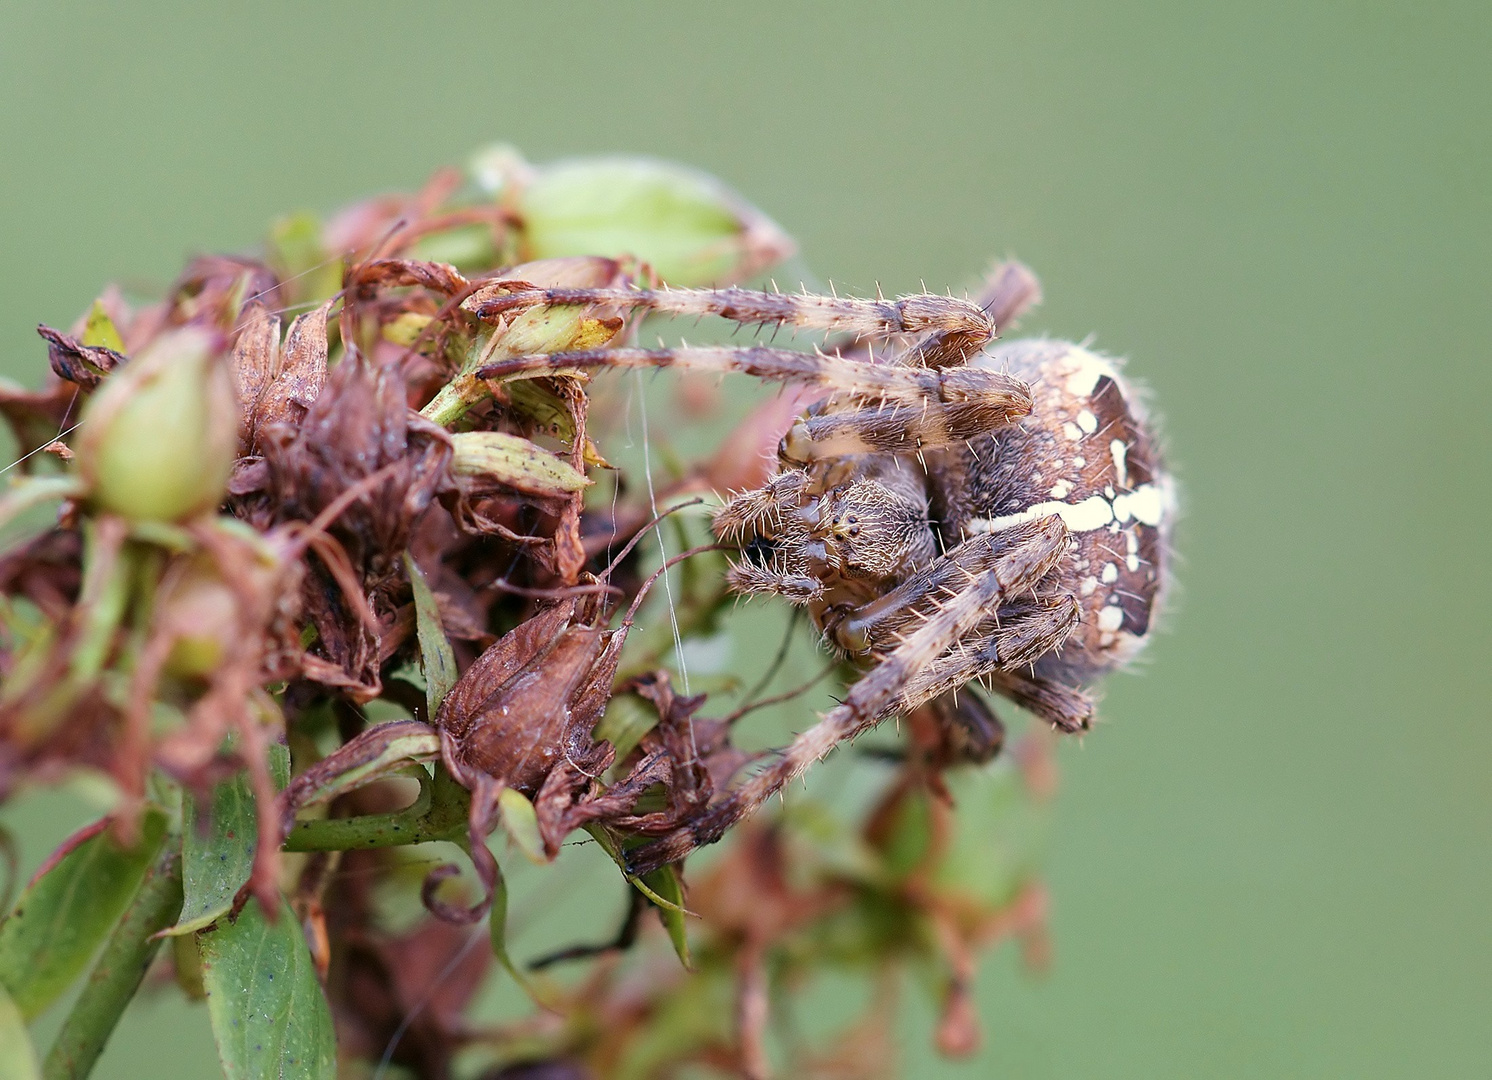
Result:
[437,658]
[522,823]
[268,1014]
[217,855]
[63,916]
[664,887]
[666,882]
[17,1055]
[999,835]
[100,331]
[467,247]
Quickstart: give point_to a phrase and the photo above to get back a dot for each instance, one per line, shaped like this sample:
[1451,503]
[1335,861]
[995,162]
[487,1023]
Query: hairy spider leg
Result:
[880,625]
[880,692]
[1027,633]
[886,407]
[961,327]
[1065,707]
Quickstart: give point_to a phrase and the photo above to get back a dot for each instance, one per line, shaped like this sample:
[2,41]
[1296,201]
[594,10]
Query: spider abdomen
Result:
[1086,454]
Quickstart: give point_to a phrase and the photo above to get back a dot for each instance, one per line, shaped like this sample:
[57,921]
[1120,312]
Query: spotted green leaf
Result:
[297,254]
[65,914]
[268,1014]
[218,853]
[514,461]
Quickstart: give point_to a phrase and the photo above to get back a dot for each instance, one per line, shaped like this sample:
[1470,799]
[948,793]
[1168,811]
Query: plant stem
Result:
[439,813]
[119,970]
[455,399]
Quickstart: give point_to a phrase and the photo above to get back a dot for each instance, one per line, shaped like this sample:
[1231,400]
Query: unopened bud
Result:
[157,440]
[514,462]
[690,228]
[199,610]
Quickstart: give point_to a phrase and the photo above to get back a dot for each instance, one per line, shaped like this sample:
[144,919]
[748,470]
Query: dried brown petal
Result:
[255,364]
[302,372]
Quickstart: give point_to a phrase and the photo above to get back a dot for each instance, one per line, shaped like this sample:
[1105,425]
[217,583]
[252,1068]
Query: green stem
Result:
[120,968]
[454,400]
[439,813]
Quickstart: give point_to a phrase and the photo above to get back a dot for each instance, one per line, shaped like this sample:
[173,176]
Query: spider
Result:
[952,510]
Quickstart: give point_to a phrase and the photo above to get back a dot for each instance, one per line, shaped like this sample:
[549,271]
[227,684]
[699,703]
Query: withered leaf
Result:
[85,365]
[510,717]
[435,276]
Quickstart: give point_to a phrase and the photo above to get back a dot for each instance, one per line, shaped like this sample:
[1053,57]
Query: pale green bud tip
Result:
[514,462]
[498,167]
[688,226]
[158,439]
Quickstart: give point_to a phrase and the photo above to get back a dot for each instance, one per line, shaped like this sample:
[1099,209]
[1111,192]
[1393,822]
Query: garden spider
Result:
[951,510]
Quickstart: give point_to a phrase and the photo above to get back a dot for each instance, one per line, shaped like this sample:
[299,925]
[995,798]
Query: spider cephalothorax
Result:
[950,511]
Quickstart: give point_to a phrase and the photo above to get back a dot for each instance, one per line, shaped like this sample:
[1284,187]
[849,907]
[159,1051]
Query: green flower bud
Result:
[200,612]
[514,462]
[688,226]
[158,439]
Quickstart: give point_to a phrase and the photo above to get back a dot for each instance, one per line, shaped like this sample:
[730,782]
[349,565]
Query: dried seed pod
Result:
[518,711]
[157,439]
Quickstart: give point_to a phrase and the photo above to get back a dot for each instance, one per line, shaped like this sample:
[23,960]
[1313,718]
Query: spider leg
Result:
[878,625]
[904,427]
[880,692]
[763,511]
[1065,707]
[794,586]
[968,401]
[1028,632]
[951,319]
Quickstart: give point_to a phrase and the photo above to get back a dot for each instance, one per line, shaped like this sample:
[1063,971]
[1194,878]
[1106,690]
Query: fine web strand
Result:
[647,471]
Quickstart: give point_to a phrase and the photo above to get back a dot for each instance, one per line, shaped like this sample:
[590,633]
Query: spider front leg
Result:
[960,327]
[881,691]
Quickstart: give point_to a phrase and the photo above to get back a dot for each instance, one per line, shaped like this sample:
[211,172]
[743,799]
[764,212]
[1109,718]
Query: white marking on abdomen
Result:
[1120,451]
[1147,504]
[1084,371]
[1092,513]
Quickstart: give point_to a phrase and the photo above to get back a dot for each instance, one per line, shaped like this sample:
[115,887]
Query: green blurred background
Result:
[1273,859]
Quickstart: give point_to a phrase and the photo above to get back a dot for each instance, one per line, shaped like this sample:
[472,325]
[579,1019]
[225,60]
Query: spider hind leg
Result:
[883,689]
